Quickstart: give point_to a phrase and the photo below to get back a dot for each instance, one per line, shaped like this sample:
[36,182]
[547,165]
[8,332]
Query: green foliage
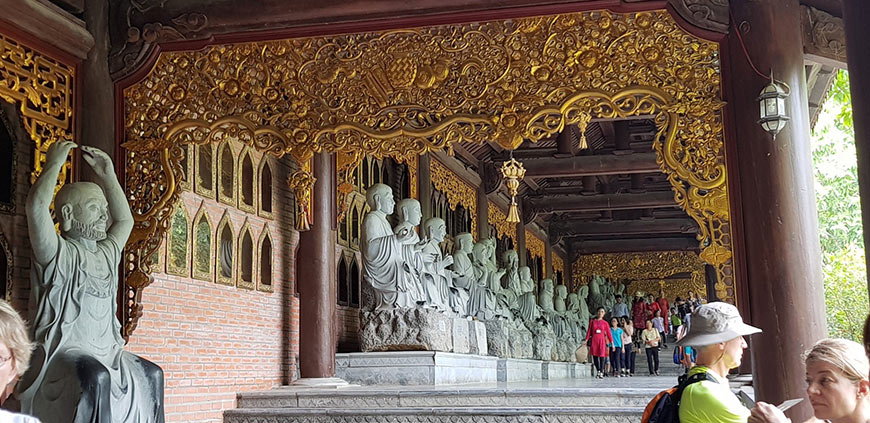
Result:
[839,209]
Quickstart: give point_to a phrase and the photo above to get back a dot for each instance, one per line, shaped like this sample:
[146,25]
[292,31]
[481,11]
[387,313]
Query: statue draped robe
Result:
[384,264]
[435,281]
[527,307]
[464,280]
[74,298]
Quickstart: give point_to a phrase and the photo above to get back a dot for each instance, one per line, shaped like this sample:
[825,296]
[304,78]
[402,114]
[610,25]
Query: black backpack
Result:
[665,407]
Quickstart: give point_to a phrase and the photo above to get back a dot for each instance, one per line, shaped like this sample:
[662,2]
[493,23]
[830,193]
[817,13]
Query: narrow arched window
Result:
[226,252]
[266,263]
[246,259]
[354,226]
[205,176]
[202,248]
[6,157]
[366,169]
[266,188]
[184,160]
[343,282]
[246,189]
[354,284]
[176,256]
[227,177]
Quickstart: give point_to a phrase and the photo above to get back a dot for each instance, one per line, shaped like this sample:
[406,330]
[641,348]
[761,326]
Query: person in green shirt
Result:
[676,322]
[717,333]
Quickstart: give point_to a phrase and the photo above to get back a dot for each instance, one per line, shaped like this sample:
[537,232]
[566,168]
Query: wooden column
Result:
[424,187]
[548,261]
[482,215]
[97,113]
[315,279]
[779,210]
[856,14]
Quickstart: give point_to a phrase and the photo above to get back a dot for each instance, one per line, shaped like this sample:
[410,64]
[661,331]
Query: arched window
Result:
[6,168]
[343,282]
[265,261]
[266,188]
[226,252]
[227,174]
[354,284]
[185,161]
[202,246]
[354,226]
[246,190]
[246,258]
[342,230]
[365,173]
[5,268]
[176,255]
[376,173]
[204,174]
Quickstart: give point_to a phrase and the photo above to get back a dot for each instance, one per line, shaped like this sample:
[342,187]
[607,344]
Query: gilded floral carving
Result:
[646,271]
[457,191]
[534,245]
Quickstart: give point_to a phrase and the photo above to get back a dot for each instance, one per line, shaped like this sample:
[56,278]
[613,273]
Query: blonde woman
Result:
[15,350]
[837,385]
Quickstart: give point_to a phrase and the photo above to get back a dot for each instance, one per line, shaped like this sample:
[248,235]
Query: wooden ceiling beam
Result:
[625,227]
[591,165]
[579,203]
[634,245]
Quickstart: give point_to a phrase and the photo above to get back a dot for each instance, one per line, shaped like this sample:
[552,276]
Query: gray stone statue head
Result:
[583,292]
[435,228]
[547,286]
[573,302]
[464,242]
[480,253]
[525,272]
[82,211]
[380,197]
[561,291]
[409,211]
[511,259]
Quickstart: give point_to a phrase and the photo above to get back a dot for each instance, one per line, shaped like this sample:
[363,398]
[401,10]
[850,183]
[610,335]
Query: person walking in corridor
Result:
[597,338]
[651,340]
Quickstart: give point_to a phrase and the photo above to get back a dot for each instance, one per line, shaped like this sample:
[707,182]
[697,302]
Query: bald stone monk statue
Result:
[80,371]
[383,253]
[436,277]
[464,280]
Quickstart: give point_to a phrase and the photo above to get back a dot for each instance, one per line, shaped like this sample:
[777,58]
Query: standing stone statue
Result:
[436,276]
[383,253]
[466,293]
[80,371]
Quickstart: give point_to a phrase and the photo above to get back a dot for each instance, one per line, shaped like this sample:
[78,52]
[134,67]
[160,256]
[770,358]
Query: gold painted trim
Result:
[498,220]
[265,162]
[242,283]
[225,222]
[655,266]
[212,171]
[535,245]
[250,208]
[455,189]
[265,234]
[197,274]
[229,200]
[172,269]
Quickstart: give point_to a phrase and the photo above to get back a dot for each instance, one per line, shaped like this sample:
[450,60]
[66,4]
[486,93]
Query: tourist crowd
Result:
[614,337]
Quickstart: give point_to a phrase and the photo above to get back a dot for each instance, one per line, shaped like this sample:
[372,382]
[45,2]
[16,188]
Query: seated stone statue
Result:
[490,279]
[436,277]
[512,289]
[527,310]
[80,371]
[576,323]
[467,295]
[560,320]
[409,213]
[584,314]
[545,298]
[383,253]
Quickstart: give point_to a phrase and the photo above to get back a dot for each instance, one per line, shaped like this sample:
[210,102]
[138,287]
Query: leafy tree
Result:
[839,209]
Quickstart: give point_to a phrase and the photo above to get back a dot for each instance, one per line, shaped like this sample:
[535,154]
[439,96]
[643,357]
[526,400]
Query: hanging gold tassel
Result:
[301,182]
[585,118]
[513,171]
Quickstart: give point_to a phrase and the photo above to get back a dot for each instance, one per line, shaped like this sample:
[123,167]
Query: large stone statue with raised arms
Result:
[80,371]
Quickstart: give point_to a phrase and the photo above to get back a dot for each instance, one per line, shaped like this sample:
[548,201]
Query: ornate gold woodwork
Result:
[42,87]
[401,93]
[534,245]
[498,220]
[672,288]
[457,191]
[644,270]
[301,183]
[559,265]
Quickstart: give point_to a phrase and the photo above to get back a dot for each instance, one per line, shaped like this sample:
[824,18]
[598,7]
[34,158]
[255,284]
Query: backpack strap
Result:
[697,377]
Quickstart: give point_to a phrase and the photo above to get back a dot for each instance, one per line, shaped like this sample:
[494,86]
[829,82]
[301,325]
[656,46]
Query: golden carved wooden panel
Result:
[498,220]
[457,191]
[647,271]
[535,245]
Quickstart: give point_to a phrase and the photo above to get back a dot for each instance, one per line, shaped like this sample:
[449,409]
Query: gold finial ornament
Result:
[301,183]
[513,171]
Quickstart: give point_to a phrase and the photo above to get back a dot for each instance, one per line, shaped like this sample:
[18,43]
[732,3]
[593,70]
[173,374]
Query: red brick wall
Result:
[213,340]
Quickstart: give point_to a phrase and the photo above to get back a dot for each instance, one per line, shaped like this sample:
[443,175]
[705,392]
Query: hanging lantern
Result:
[772,103]
[513,171]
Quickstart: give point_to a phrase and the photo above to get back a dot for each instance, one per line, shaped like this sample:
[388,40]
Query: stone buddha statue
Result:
[409,213]
[490,278]
[545,298]
[575,320]
[584,314]
[512,289]
[561,320]
[468,297]
[80,371]
[527,310]
[383,253]
[436,277]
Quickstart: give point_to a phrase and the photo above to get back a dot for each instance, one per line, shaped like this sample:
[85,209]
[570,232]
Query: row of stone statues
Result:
[406,272]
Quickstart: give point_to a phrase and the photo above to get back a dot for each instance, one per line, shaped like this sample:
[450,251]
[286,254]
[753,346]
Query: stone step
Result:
[511,414]
[590,397]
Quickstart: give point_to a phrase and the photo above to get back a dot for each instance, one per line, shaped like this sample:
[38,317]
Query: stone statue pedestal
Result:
[415,368]
[420,329]
[508,339]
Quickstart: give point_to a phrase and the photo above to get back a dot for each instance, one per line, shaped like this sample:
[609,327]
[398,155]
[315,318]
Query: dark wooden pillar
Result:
[856,14]
[315,279]
[424,187]
[779,210]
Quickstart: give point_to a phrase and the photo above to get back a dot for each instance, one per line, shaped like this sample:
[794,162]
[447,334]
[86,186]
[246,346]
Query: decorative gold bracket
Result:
[301,182]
